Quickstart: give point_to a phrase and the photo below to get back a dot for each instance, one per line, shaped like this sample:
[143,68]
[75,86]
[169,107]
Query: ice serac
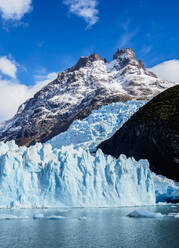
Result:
[42,177]
[88,85]
[166,190]
[97,127]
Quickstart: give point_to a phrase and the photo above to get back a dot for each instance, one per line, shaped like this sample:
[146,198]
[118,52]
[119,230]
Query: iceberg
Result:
[144,214]
[12,217]
[44,217]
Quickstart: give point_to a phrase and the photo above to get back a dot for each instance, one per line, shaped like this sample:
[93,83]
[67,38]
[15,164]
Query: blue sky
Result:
[40,37]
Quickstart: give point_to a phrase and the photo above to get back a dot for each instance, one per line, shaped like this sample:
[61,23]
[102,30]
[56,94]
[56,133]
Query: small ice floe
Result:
[82,218]
[144,214]
[171,214]
[12,217]
[176,216]
[64,210]
[44,217]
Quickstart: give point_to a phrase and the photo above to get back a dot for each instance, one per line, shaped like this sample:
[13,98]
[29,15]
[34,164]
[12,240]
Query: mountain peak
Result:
[123,53]
[126,57]
[85,61]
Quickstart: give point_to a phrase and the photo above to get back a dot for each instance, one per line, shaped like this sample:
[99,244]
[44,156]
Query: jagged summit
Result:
[85,61]
[86,86]
[126,58]
[125,52]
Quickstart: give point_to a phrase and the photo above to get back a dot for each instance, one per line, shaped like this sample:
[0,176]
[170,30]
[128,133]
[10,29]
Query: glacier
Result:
[65,173]
[40,176]
[98,126]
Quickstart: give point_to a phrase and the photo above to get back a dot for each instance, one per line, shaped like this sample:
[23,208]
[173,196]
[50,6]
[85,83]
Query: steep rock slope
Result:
[91,83]
[152,133]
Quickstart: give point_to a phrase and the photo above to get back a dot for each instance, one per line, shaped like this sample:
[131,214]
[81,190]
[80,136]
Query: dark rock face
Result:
[86,86]
[152,133]
[85,61]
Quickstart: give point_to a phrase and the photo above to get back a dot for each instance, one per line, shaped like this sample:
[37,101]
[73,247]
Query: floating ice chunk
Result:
[38,216]
[12,217]
[144,214]
[82,218]
[171,214]
[55,217]
[44,217]
[177,215]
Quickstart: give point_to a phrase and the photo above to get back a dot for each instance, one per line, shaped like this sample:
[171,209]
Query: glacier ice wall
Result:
[166,190]
[98,126]
[65,174]
[42,177]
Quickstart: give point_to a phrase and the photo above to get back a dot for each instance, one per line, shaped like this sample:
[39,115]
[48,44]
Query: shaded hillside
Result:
[152,133]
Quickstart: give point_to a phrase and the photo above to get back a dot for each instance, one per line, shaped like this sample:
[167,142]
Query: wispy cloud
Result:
[87,9]
[167,70]
[146,49]
[126,38]
[126,34]
[14,9]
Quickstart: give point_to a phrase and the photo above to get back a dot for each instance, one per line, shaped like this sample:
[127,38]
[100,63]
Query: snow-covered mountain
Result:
[91,83]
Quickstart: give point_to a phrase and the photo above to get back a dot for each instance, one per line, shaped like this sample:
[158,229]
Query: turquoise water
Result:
[96,227]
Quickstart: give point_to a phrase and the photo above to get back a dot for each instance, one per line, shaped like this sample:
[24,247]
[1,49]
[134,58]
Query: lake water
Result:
[83,228]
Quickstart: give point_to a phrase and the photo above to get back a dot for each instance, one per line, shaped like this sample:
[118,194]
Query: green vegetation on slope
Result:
[164,106]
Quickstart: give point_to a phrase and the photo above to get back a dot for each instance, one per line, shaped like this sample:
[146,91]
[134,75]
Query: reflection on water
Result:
[92,228]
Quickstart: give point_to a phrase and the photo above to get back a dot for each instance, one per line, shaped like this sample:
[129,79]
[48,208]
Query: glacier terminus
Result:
[73,175]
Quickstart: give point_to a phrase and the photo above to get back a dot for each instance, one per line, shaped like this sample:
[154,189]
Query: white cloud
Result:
[8,67]
[87,9]
[14,9]
[42,81]
[13,94]
[168,70]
